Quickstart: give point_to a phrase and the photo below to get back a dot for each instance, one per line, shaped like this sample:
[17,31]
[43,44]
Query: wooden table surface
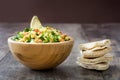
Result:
[10,69]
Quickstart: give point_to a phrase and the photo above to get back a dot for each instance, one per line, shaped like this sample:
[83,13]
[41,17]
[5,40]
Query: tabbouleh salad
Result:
[39,34]
[42,35]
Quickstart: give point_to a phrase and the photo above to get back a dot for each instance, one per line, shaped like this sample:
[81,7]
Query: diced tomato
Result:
[36,30]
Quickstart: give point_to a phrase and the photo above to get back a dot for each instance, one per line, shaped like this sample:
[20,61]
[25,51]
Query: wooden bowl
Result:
[40,56]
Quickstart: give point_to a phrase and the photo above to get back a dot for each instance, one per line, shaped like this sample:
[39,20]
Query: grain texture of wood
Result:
[10,69]
[40,56]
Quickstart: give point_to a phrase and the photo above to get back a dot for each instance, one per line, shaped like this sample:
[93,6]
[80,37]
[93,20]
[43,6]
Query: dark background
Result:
[76,11]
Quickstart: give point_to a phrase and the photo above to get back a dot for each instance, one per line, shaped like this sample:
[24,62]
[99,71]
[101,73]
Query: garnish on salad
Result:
[39,34]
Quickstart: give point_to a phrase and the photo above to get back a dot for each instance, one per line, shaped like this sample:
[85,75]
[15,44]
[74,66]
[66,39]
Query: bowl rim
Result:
[12,41]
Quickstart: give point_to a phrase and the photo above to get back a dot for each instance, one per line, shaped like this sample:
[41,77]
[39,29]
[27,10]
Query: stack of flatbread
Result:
[95,55]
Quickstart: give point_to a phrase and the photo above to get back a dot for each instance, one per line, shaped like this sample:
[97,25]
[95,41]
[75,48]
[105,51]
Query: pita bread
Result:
[92,45]
[105,58]
[96,53]
[100,66]
[95,49]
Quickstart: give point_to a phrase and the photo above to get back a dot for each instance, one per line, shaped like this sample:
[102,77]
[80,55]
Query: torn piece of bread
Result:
[95,49]
[105,58]
[91,45]
[100,66]
[96,53]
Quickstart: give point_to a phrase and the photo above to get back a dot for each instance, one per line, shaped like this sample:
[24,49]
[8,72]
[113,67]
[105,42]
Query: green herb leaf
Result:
[27,29]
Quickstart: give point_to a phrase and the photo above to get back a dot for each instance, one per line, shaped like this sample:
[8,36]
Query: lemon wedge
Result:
[35,23]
